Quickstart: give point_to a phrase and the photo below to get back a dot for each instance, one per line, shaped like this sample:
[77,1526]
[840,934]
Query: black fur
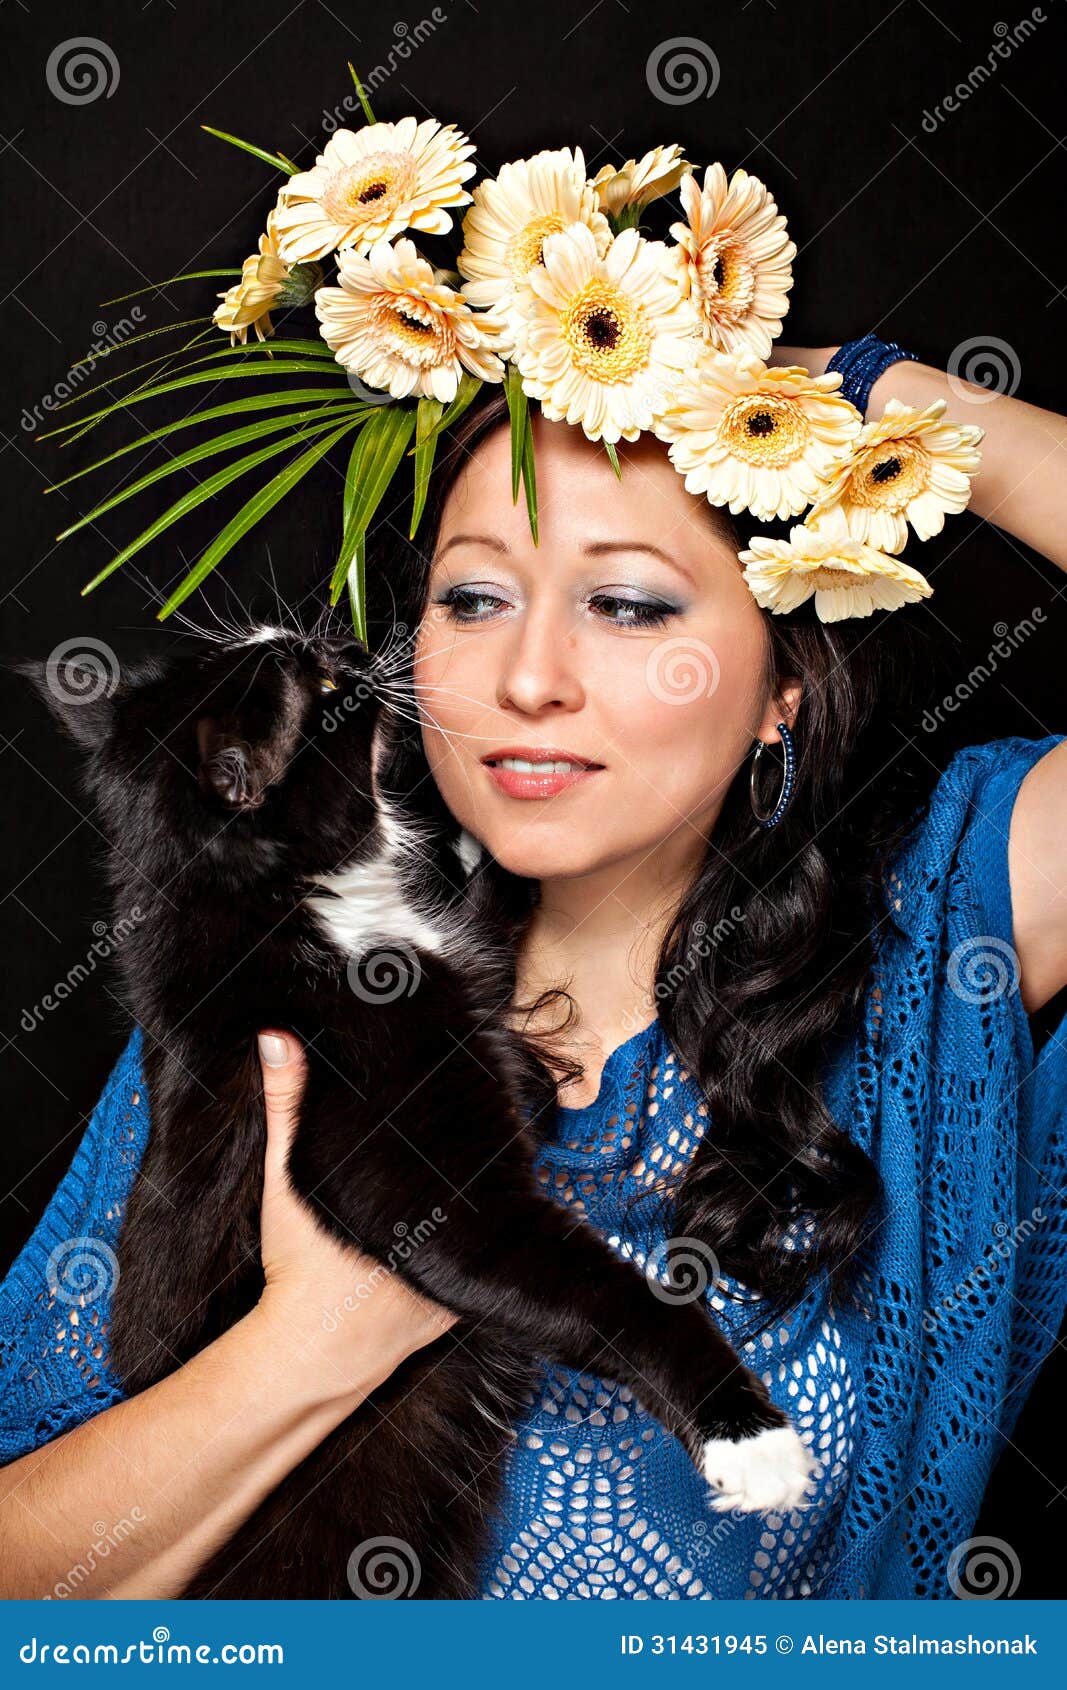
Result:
[224,783]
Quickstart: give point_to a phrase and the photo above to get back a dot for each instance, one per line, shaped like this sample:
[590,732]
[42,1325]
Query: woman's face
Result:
[627,638]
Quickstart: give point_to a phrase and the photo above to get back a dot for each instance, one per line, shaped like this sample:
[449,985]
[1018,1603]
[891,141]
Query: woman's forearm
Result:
[193,1455]
[1022,486]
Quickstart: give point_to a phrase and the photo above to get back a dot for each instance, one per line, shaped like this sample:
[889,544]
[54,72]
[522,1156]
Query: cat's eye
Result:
[326,682]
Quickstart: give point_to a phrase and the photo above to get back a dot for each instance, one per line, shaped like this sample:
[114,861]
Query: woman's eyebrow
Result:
[474,540]
[595,548]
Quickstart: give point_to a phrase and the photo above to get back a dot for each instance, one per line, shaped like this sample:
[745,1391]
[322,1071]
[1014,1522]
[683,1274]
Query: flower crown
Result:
[559,297]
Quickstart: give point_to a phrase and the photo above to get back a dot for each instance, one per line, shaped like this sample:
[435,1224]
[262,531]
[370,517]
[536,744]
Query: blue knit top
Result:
[905,1392]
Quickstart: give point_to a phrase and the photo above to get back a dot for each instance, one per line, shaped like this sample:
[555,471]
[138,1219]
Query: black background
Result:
[932,235]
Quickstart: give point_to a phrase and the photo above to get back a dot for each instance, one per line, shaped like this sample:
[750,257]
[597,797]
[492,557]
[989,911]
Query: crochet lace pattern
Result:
[905,1393]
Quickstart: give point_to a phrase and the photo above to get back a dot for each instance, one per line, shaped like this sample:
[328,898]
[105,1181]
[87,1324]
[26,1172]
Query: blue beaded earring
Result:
[788,774]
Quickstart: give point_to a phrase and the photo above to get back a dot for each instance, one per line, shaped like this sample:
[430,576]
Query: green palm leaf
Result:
[263,402]
[428,418]
[281,367]
[276,159]
[207,449]
[248,354]
[147,334]
[156,287]
[197,496]
[373,463]
[249,514]
[529,479]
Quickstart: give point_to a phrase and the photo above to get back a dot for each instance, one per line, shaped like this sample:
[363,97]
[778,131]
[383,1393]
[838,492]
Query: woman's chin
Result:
[561,859]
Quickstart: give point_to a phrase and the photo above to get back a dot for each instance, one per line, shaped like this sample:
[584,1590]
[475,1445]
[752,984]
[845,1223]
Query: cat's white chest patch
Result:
[368,906]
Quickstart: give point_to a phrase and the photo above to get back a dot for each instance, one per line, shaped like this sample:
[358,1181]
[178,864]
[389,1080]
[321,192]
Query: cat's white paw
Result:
[757,1475]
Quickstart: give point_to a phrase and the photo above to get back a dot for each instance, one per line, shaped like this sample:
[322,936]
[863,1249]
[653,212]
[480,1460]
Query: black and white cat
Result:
[239,793]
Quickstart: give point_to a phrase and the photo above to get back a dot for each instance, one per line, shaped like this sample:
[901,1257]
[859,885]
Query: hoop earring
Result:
[788,777]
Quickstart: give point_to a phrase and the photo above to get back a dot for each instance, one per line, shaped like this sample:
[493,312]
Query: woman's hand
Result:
[344,1308]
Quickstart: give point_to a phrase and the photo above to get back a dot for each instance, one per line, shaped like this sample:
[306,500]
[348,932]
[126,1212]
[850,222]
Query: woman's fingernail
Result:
[273,1050]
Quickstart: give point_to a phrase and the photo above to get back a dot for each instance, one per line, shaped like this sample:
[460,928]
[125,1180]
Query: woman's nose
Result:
[540,668]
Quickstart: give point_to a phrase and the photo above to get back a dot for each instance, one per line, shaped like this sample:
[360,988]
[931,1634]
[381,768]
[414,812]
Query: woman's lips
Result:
[519,784]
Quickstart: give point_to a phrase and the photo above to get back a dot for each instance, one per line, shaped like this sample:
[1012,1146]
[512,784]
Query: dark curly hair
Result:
[753,1015]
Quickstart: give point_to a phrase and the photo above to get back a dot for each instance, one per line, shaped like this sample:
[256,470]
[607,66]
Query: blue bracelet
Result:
[861,362]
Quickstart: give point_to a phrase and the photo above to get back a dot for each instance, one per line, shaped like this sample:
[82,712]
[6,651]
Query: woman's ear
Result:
[782,708]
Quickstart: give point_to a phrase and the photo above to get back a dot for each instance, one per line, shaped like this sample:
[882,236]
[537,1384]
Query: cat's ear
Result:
[234,770]
[79,689]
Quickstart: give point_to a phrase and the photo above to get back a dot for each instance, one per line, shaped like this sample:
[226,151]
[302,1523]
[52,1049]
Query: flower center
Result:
[362,192]
[606,332]
[827,577]
[415,332]
[527,247]
[765,429]
[727,280]
[890,475]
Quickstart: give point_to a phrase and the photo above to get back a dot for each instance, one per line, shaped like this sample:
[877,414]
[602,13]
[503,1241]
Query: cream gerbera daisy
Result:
[754,438]
[371,184]
[738,259]
[846,577]
[397,326]
[601,340]
[908,466]
[247,304]
[640,180]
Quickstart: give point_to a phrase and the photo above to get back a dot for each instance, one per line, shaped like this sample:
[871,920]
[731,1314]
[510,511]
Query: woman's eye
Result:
[463,603]
[476,604]
[638,613]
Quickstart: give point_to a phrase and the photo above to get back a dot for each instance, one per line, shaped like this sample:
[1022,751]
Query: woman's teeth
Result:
[524,768]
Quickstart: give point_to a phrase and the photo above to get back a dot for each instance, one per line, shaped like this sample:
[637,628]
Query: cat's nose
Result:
[231,777]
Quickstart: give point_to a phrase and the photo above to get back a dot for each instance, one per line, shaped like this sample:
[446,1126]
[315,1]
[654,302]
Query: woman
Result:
[792,1030]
